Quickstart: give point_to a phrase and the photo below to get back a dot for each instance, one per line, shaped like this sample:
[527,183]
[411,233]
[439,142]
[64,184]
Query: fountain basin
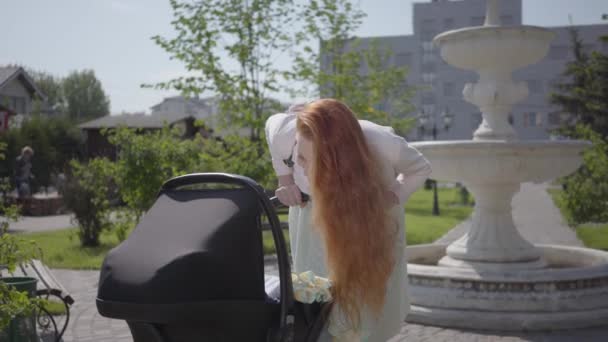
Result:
[495,161]
[571,292]
[491,47]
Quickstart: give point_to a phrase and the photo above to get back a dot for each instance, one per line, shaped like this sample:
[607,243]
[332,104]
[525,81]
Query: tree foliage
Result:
[87,194]
[583,91]
[55,140]
[230,46]
[146,160]
[85,98]
[361,73]
[583,94]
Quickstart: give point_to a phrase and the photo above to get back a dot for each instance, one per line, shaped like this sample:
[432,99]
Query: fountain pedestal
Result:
[493,242]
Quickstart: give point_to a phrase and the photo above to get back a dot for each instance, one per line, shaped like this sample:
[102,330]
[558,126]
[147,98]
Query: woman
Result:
[358,175]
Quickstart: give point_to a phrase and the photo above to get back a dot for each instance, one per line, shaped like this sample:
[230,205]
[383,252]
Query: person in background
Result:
[23,173]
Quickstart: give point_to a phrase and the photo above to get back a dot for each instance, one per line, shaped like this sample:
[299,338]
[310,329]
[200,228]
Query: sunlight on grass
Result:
[61,249]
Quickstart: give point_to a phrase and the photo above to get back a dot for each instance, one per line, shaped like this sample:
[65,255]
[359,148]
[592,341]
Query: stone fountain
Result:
[492,278]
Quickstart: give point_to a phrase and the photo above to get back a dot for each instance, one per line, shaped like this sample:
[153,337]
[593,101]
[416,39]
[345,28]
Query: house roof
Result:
[196,101]
[134,121]
[7,74]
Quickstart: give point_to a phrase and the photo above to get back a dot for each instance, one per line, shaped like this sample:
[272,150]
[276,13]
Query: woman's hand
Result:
[290,195]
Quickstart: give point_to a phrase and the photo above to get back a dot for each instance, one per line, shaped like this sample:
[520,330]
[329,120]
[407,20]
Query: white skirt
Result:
[308,254]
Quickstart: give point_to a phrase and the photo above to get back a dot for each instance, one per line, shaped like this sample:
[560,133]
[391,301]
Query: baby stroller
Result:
[193,269]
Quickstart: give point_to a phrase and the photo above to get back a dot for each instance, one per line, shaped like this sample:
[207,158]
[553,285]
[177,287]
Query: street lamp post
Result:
[423,121]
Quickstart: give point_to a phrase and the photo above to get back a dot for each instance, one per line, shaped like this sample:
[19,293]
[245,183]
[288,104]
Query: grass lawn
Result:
[592,235]
[55,308]
[422,226]
[62,248]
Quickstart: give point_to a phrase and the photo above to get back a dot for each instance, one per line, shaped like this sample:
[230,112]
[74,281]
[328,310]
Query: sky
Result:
[113,37]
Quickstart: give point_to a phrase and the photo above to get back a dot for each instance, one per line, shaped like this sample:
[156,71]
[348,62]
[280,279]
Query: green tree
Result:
[585,195]
[52,88]
[231,46]
[146,160]
[583,92]
[357,72]
[85,98]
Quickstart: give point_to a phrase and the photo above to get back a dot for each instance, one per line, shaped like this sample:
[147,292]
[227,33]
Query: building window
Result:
[477,21]
[558,118]
[428,98]
[448,89]
[448,23]
[428,77]
[535,86]
[475,120]
[21,105]
[17,104]
[588,48]
[428,25]
[552,85]
[428,67]
[506,20]
[13,104]
[532,119]
[558,52]
[427,36]
[430,108]
[428,58]
[403,59]
[554,118]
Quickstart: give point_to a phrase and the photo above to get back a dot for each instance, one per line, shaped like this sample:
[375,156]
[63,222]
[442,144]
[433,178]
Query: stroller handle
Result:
[202,178]
[277,204]
[287,300]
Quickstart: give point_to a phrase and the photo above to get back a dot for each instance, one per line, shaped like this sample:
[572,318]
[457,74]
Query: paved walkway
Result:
[534,213]
[34,224]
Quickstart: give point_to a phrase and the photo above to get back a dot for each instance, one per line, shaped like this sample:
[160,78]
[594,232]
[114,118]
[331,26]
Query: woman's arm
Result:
[412,170]
[280,135]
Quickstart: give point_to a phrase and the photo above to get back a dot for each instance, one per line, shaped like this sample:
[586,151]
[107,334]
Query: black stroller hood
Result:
[196,246]
[195,254]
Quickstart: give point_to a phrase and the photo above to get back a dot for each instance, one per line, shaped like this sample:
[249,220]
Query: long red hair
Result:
[349,207]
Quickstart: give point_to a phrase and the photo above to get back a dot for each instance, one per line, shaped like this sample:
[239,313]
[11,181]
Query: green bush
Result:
[585,197]
[146,160]
[87,194]
[239,155]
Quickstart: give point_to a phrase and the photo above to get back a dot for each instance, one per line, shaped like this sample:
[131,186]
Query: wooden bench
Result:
[47,286]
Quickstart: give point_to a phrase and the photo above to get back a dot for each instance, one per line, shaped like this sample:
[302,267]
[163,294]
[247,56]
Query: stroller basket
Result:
[193,269]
